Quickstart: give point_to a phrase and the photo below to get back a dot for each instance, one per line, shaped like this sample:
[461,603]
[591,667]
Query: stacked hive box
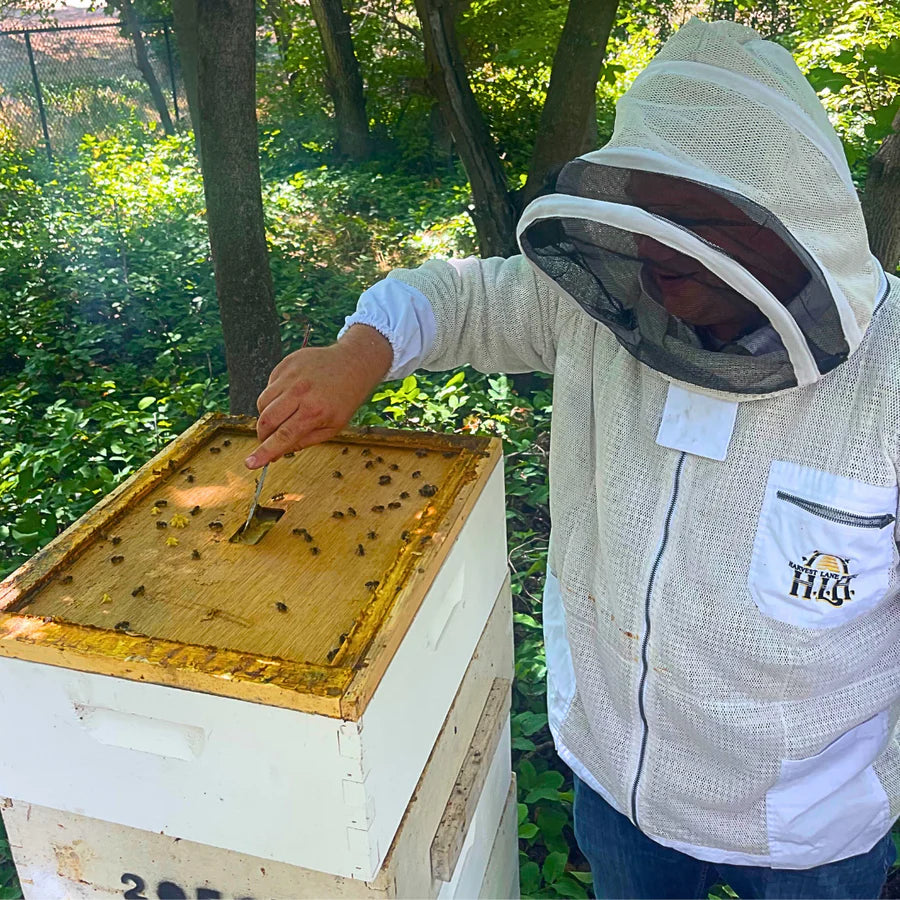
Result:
[321,713]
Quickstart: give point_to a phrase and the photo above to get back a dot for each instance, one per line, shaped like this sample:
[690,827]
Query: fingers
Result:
[285,439]
[279,402]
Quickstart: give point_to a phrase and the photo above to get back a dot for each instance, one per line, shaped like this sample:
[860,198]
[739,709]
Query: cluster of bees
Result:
[180,521]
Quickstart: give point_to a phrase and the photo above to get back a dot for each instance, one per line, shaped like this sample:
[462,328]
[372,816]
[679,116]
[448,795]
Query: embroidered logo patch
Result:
[822,576]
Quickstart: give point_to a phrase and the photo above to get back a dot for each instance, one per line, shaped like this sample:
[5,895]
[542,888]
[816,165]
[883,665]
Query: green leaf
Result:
[551,778]
[523,744]
[527,830]
[821,78]
[555,843]
[552,819]
[529,877]
[145,402]
[542,793]
[554,866]
[527,775]
[569,887]
[529,723]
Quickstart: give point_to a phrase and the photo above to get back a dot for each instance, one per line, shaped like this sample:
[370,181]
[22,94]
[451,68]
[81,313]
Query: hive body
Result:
[263,700]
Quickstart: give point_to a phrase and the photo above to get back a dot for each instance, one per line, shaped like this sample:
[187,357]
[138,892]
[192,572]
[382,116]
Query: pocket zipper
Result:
[837,515]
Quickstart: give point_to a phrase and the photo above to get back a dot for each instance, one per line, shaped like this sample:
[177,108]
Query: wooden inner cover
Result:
[362,514]
[287,596]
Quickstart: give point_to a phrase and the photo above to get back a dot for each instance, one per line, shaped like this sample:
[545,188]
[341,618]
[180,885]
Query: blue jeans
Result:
[625,863]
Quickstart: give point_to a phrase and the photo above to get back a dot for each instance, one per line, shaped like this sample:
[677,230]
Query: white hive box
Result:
[64,855]
[268,700]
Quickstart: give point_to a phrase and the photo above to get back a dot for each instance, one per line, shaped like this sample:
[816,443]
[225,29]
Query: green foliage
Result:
[9,886]
[110,342]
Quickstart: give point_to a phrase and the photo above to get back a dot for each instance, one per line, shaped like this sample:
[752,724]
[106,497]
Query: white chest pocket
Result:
[824,547]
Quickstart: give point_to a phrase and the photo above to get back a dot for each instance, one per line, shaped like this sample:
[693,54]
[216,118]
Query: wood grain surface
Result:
[151,572]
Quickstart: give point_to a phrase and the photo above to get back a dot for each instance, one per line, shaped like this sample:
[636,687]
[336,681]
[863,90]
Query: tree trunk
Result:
[881,200]
[281,25]
[184,13]
[342,79]
[143,63]
[568,124]
[226,81]
[494,215]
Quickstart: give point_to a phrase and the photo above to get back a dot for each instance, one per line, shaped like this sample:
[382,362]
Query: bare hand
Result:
[314,392]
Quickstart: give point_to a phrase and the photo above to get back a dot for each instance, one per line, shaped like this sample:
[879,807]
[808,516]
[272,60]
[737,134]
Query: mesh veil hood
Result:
[726,111]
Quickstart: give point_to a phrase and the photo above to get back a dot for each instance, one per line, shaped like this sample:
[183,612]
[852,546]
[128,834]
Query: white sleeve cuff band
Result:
[402,315]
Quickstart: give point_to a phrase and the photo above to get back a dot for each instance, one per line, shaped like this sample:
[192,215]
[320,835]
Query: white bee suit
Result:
[721,615]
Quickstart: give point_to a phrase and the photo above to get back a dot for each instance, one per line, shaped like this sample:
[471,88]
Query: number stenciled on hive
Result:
[167,890]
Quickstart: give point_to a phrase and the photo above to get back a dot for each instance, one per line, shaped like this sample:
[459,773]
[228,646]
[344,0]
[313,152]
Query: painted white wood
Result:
[501,880]
[476,851]
[401,723]
[63,855]
[263,781]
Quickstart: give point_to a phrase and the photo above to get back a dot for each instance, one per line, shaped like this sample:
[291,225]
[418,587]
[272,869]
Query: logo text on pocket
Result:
[822,576]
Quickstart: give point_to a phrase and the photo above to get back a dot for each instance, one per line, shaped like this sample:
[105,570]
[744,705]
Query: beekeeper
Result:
[721,618]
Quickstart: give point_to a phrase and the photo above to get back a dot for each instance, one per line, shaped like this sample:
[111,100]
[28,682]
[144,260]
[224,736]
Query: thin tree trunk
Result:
[568,125]
[281,27]
[184,13]
[143,63]
[343,81]
[881,200]
[226,81]
[493,212]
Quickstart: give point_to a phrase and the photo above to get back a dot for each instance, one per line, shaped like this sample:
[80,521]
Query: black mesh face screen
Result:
[601,268]
[666,308]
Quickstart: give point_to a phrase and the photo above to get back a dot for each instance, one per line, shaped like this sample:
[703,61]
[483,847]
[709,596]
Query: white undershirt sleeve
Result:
[403,316]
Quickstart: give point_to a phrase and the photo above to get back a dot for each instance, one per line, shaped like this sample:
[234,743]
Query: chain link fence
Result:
[58,84]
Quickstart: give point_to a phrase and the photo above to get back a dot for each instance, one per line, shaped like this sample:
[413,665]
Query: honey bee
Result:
[404,495]
[417,474]
[138,591]
[115,540]
[215,449]
[428,490]
[360,550]
[394,505]
[337,514]
[371,585]
[195,554]
[281,607]
[377,509]
[115,560]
